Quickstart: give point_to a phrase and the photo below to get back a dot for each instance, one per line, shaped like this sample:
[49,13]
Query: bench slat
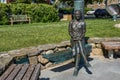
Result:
[19,18]
[111,45]
[22,72]
[14,72]
[7,72]
[36,73]
[29,72]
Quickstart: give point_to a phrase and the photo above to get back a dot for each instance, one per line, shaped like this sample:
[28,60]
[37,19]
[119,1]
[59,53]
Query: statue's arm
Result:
[83,30]
[70,29]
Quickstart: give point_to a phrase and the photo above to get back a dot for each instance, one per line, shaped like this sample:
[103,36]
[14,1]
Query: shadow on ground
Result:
[44,78]
[71,65]
[63,68]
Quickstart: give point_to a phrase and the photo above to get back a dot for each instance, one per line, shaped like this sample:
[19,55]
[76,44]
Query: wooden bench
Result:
[19,18]
[110,47]
[21,72]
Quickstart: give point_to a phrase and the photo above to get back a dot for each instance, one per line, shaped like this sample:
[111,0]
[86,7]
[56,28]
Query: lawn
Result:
[26,35]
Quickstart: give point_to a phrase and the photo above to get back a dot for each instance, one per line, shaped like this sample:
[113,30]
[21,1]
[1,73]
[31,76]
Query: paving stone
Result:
[100,70]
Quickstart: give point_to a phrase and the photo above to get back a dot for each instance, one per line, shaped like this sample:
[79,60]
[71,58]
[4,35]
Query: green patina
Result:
[65,55]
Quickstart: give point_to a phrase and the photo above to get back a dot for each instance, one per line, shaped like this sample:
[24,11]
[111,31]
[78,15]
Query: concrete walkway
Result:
[102,69]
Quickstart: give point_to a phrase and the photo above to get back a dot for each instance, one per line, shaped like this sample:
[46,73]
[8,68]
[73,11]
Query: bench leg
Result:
[11,23]
[29,21]
[110,54]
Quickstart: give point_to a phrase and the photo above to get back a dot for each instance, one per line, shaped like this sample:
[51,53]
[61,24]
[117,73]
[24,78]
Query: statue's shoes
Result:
[87,65]
[75,72]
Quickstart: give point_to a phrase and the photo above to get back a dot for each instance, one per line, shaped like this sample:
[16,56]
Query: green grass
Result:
[102,28]
[26,35]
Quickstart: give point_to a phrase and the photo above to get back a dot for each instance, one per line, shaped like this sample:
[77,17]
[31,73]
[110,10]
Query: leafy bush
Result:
[4,13]
[29,1]
[66,10]
[42,13]
[37,12]
[87,9]
[19,8]
[23,1]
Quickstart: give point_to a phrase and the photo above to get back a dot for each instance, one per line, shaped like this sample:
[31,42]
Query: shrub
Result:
[66,10]
[42,13]
[87,9]
[19,8]
[29,1]
[4,13]
[37,12]
[23,1]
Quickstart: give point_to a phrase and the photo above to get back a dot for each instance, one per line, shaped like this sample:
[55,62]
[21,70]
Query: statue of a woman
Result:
[77,29]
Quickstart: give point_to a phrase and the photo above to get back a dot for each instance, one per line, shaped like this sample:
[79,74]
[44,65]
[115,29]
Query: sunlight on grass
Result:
[26,35]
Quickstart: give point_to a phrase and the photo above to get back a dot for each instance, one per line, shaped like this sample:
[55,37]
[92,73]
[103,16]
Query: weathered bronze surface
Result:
[77,29]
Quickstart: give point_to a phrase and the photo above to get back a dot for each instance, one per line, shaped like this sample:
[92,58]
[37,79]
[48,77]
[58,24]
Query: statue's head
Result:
[77,14]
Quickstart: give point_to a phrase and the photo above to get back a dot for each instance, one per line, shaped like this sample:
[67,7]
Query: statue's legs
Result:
[79,50]
[77,60]
[76,54]
[83,52]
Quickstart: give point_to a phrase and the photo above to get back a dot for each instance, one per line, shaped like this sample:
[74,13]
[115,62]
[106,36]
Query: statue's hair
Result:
[79,12]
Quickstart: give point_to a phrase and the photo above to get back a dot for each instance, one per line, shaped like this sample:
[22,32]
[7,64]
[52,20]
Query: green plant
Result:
[37,12]
[42,13]
[66,10]
[87,9]
[23,1]
[4,13]
[19,8]
[29,1]
[39,1]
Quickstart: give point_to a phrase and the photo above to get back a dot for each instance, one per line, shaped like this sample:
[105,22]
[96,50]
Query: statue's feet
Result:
[75,72]
[87,65]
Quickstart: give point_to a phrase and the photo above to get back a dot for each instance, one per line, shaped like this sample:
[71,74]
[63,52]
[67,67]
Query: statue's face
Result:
[77,15]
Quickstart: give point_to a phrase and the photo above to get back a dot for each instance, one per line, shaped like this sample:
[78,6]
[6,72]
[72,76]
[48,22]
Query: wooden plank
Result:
[29,72]
[22,72]
[19,18]
[111,45]
[7,72]
[36,73]
[14,72]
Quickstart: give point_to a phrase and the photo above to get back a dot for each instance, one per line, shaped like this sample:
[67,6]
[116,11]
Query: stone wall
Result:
[34,53]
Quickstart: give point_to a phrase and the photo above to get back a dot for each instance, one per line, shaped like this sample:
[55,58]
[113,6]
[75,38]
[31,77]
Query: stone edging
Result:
[6,58]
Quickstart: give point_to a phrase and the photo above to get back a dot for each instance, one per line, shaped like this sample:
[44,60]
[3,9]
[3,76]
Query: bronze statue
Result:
[77,29]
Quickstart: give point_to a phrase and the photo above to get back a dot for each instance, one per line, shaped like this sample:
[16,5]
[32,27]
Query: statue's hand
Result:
[83,23]
[75,39]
